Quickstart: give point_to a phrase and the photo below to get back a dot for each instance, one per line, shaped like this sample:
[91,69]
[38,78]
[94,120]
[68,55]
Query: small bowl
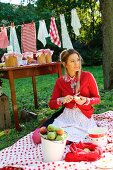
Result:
[98,135]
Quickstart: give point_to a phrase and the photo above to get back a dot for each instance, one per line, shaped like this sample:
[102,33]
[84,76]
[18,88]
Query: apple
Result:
[86,149]
[59,137]
[51,128]
[59,131]
[43,130]
[51,135]
[76,97]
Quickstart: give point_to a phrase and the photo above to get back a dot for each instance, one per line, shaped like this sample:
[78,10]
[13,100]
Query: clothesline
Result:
[35,21]
[28,34]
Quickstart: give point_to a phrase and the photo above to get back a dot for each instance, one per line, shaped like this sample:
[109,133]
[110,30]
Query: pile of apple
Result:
[52,132]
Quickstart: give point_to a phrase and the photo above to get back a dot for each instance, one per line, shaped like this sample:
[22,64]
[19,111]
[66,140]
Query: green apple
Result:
[60,137]
[51,135]
[51,128]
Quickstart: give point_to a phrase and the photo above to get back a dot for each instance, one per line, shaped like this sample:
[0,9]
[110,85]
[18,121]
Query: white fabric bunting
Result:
[42,32]
[75,22]
[65,36]
[14,40]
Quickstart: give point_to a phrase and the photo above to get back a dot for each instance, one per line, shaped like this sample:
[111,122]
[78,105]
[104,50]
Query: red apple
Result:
[59,131]
[43,130]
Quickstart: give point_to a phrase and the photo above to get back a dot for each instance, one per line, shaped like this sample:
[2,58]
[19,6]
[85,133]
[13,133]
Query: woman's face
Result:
[73,64]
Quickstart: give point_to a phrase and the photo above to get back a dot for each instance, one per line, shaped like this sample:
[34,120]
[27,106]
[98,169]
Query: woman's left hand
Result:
[80,100]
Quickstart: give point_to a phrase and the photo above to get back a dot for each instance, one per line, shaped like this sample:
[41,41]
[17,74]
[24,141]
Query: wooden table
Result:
[12,73]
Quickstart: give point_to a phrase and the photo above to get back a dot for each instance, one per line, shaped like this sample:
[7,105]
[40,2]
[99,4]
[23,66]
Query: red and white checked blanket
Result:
[28,156]
[54,33]
[28,37]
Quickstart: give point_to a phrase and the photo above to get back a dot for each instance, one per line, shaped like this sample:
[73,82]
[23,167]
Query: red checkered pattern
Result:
[54,33]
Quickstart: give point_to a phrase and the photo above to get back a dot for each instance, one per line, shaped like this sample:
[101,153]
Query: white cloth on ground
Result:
[42,32]
[75,22]
[14,40]
[66,42]
[27,155]
[75,123]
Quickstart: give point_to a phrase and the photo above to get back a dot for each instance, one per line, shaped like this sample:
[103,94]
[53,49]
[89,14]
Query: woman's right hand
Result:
[67,99]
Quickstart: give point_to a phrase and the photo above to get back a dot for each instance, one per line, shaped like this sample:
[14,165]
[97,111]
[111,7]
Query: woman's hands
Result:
[80,100]
[67,99]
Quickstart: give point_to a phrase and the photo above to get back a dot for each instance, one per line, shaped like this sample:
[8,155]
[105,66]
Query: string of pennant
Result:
[12,23]
[28,33]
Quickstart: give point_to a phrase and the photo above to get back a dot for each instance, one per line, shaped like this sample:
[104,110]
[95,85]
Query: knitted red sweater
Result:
[88,88]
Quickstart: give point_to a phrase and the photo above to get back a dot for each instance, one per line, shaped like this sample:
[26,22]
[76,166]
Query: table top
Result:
[29,66]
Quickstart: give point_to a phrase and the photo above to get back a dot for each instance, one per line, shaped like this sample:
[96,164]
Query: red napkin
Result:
[10,168]
[78,153]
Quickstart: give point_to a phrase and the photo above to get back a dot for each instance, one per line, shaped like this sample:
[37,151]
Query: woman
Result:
[76,91]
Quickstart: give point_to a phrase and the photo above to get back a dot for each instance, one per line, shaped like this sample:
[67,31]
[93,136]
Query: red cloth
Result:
[88,88]
[54,33]
[28,37]
[78,153]
[3,38]
[11,168]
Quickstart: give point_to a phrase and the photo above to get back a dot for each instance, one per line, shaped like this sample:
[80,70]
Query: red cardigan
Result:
[88,88]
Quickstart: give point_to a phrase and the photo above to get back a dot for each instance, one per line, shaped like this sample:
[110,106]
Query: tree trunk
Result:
[107,28]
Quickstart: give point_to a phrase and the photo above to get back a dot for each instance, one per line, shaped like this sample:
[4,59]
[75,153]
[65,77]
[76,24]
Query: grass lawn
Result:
[45,85]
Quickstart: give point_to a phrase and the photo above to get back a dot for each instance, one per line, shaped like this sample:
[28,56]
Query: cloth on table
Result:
[25,154]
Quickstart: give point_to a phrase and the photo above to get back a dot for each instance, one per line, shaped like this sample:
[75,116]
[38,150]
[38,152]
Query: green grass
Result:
[45,84]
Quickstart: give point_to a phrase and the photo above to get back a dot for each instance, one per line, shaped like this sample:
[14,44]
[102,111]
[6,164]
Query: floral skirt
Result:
[75,123]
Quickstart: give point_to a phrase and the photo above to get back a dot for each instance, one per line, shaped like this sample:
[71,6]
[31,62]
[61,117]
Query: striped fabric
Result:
[3,38]
[28,37]
[54,33]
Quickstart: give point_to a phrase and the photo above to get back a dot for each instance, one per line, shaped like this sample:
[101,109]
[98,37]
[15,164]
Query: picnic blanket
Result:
[24,154]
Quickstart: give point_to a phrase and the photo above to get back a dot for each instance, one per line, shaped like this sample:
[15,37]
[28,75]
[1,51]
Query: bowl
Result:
[98,136]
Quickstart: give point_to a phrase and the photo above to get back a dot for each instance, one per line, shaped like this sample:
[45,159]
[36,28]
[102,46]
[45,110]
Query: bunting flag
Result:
[3,38]
[54,33]
[65,36]
[75,22]
[42,32]
[28,34]
[14,40]
[28,37]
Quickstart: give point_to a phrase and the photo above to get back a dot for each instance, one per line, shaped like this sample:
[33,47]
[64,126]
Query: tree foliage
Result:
[88,11]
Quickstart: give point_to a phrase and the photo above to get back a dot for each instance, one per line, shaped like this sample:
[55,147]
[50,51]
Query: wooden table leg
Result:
[35,92]
[59,69]
[13,97]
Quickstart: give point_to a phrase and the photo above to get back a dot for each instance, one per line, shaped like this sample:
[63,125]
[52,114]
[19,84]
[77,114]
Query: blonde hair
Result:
[64,57]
